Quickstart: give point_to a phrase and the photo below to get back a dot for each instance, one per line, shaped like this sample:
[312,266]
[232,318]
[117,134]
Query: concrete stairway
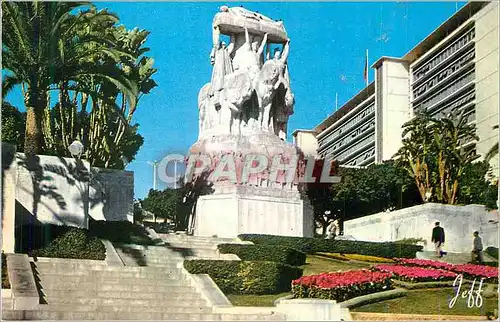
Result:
[151,286]
[194,247]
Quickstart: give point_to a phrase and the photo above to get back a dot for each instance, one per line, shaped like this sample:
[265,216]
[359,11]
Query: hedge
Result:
[492,251]
[315,245]
[47,240]
[271,253]
[5,275]
[75,243]
[246,277]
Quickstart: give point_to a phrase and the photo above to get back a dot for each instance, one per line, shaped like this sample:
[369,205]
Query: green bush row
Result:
[5,275]
[75,243]
[48,240]
[271,253]
[314,245]
[120,232]
[246,277]
[492,251]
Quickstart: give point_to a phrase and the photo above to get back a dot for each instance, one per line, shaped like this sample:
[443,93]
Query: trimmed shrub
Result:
[75,243]
[271,253]
[492,251]
[246,277]
[33,237]
[411,241]
[315,245]
[120,232]
[5,275]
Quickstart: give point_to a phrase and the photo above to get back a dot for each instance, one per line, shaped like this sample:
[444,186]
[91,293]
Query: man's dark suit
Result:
[438,235]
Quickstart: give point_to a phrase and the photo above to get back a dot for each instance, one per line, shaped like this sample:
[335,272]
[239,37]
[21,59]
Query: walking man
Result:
[477,251]
[438,239]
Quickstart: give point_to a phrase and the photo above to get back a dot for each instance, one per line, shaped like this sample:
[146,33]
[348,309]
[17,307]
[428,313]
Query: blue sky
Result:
[327,56]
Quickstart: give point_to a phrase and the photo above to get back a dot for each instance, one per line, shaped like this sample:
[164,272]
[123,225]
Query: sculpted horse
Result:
[266,86]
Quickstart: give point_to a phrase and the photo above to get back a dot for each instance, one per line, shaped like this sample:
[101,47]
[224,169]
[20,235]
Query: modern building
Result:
[455,68]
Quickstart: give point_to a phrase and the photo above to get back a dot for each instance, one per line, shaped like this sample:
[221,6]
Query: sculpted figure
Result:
[222,67]
[248,56]
[203,108]
[265,87]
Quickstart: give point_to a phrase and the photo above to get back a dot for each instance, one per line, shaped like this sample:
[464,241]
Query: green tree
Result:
[13,124]
[475,188]
[435,153]
[494,149]
[362,192]
[45,47]
[164,204]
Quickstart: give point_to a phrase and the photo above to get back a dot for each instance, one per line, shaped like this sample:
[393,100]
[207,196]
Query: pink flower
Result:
[342,279]
[477,270]
[416,273]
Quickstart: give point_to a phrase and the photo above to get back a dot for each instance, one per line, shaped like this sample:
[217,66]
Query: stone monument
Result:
[244,111]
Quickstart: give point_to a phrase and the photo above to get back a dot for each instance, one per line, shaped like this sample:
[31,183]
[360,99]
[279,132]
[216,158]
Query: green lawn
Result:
[430,301]
[316,265]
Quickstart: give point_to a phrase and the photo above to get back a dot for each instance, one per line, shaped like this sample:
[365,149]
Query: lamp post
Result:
[155,167]
[76,150]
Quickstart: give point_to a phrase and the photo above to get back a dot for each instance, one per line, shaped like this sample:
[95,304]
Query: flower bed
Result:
[471,271]
[341,286]
[424,263]
[416,274]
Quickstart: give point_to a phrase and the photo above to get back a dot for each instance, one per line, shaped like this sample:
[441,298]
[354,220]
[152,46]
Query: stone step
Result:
[7,303]
[141,316]
[178,244]
[72,279]
[118,287]
[167,275]
[77,267]
[167,307]
[111,298]
[62,315]
[65,261]
[69,295]
[174,237]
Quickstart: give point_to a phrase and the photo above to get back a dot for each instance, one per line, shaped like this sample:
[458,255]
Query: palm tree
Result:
[494,149]
[435,154]
[46,46]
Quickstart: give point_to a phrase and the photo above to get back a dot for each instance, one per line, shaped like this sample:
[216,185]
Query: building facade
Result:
[455,68]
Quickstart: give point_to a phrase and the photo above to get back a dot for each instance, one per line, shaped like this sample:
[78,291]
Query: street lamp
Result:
[76,149]
[155,167]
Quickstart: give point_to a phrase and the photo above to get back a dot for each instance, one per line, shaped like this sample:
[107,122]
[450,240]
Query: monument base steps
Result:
[151,286]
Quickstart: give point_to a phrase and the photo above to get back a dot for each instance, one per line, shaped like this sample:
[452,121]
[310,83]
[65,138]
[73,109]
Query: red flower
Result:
[477,270]
[416,273]
[342,279]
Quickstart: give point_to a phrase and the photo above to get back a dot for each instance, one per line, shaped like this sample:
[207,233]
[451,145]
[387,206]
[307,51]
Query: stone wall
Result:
[8,203]
[112,195]
[57,191]
[459,222]
[229,215]
[51,189]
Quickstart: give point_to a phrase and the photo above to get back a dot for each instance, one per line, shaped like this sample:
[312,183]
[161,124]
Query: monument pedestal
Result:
[232,214]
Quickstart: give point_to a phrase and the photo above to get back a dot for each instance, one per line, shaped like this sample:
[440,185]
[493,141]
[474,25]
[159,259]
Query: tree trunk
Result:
[35,102]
